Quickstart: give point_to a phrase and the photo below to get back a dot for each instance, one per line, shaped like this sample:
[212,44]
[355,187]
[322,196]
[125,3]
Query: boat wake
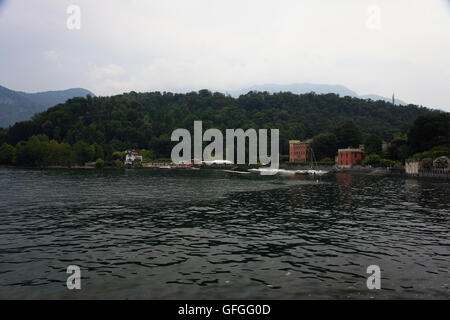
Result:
[270,171]
[284,172]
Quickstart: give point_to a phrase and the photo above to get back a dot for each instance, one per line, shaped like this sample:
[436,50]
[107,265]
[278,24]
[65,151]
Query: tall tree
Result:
[348,135]
[6,153]
[35,151]
[398,150]
[325,145]
[372,144]
[83,152]
[428,131]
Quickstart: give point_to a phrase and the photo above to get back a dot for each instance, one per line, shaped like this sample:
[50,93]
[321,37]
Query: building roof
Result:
[351,150]
[132,152]
[299,142]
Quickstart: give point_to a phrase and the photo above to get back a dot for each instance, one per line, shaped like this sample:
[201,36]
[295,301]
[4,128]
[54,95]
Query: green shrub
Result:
[118,163]
[117,155]
[100,163]
[386,163]
[434,153]
[6,154]
[375,160]
[427,163]
[440,151]
[372,160]
[284,158]
[147,155]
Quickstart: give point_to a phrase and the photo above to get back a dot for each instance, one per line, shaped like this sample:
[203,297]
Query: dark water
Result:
[214,235]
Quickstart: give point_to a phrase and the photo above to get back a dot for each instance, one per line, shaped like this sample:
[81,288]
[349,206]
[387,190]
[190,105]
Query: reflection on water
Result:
[210,234]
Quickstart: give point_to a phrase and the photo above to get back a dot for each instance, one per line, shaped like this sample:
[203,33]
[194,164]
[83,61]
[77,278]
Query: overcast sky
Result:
[380,47]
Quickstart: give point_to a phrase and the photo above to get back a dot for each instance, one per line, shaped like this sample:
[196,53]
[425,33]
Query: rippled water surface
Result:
[207,234]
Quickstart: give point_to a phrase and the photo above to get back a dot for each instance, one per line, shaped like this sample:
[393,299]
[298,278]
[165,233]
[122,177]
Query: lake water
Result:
[174,234]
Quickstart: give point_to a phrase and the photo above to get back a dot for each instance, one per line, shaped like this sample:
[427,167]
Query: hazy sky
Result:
[380,47]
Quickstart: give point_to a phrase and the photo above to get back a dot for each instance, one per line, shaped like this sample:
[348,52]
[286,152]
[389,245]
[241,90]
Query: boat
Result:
[236,171]
[317,172]
[218,162]
[312,172]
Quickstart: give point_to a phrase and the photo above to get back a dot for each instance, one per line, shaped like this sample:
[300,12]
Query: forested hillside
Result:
[146,120]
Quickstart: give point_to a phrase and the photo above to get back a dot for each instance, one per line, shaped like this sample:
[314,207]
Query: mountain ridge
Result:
[307,87]
[16,106]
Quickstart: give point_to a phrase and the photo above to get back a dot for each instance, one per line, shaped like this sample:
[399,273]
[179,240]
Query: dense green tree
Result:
[31,152]
[83,152]
[372,144]
[147,155]
[348,135]
[398,150]
[35,151]
[325,145]
[162,145]
[66,153]
[58,153]
[99,153]
[52,155]
[429,131]
[434,153]
[19,156]
[373,160]
[99,163]
[117,155]
[6,153]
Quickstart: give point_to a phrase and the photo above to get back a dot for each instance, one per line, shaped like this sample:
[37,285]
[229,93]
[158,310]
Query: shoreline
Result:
[47,167]
[387,172]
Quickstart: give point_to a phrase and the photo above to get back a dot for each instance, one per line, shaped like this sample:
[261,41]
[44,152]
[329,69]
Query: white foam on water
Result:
[267,171]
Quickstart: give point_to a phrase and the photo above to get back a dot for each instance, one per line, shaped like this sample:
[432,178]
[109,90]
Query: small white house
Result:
[131,156]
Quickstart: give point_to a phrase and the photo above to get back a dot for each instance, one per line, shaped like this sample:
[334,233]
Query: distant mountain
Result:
[375,97]
[50,98]
[301,88]
[298,88]
[18,106]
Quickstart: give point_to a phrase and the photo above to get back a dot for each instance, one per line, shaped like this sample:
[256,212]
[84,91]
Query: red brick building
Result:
[348,157]
[299,151]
